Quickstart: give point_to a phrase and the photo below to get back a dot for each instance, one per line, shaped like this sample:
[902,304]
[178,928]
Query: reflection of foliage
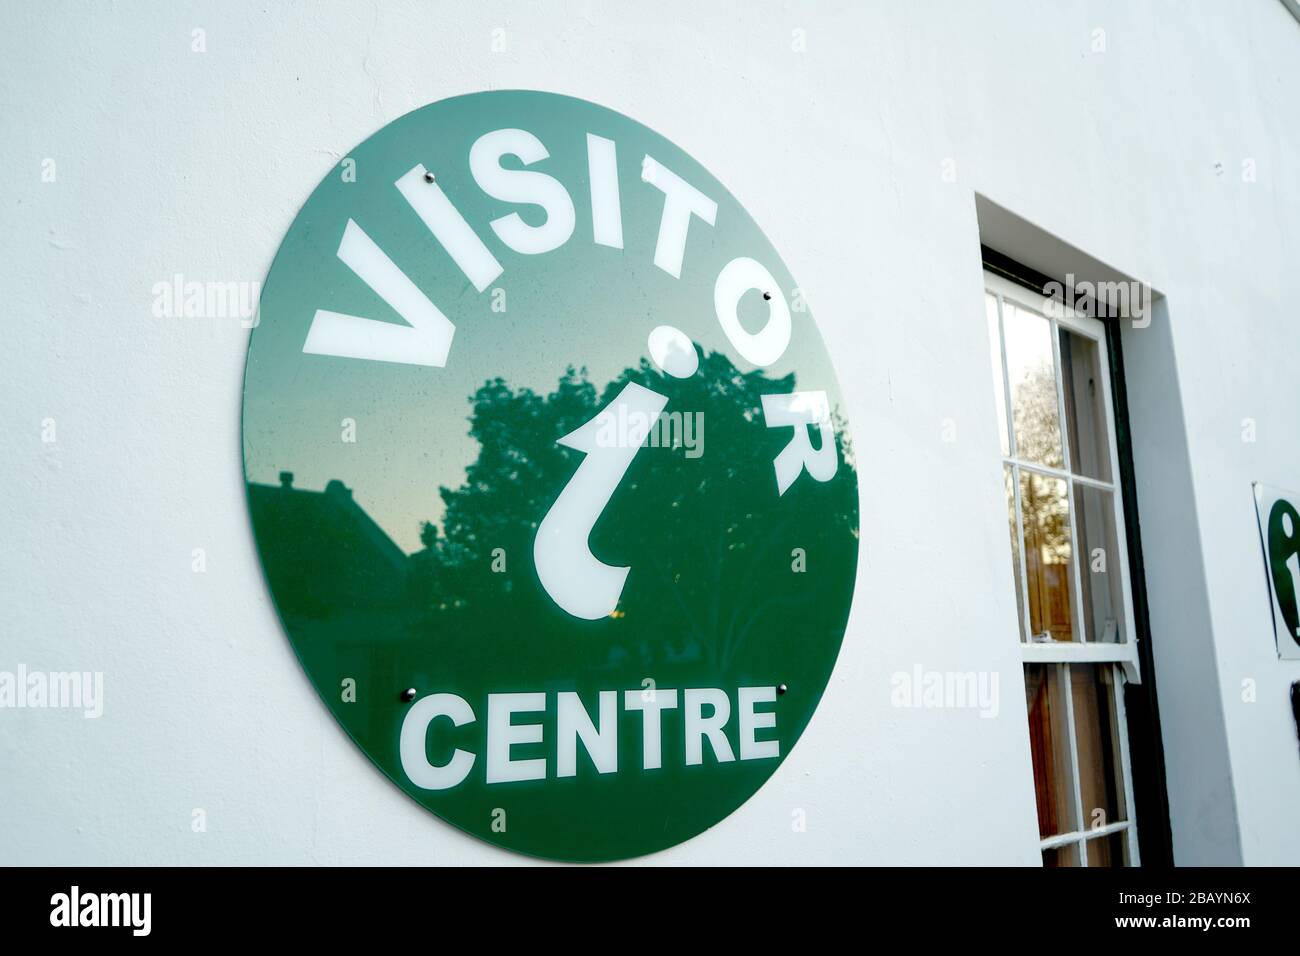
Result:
[1038,428]
[506,490]
[1045,509]
[704,536]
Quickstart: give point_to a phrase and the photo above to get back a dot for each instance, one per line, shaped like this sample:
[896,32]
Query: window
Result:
[1065,525]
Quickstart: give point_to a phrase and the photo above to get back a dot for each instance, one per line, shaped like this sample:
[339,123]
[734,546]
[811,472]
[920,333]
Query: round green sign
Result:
[549,475]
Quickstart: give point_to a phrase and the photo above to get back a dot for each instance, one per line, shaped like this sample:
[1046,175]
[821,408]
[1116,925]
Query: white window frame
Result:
[1121,654]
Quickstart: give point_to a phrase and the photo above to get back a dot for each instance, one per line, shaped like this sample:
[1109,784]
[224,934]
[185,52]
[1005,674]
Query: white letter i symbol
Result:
[576,579]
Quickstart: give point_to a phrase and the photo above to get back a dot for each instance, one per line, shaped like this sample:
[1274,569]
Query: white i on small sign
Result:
[1278,514]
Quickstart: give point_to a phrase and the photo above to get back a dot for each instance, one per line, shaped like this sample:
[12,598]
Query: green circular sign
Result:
[549,475]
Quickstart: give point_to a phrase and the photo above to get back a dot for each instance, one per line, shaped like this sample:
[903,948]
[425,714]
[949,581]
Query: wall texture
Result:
[173,161]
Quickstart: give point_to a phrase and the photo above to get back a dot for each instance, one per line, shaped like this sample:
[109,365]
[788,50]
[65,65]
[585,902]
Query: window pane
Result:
[1067,855]
[1100,787]
[1110,850]
[1009,478]
[1049,745]
[1085,415]
[1100,578]
[995,354]
[1032,379]
[1045,513]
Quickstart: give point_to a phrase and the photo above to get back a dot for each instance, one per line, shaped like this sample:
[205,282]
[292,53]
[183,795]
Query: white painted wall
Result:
[172,161]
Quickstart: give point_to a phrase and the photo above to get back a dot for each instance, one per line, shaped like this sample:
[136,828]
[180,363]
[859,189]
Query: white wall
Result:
[171,161]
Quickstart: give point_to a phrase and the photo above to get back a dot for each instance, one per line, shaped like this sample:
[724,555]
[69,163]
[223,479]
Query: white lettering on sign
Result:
[652,707]
[699,727]
[424,340]
[681,202]
[575,578]
[525,186]
[449,227]
[573,723]
[504,735]
[1292,563]
[516,721]
[428,338]
[801,410]
[606,210]
[415,731]
[738,277]
[752,721]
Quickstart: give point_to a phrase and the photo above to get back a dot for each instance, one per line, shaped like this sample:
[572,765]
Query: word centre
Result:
[699,715]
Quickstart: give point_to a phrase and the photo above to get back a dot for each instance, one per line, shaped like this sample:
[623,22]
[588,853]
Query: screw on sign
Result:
[592,432]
